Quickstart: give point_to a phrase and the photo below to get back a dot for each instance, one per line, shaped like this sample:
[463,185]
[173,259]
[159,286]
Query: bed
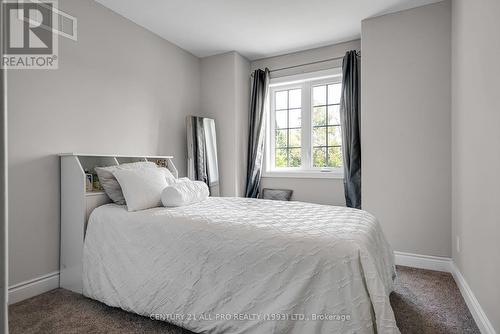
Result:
[238,265]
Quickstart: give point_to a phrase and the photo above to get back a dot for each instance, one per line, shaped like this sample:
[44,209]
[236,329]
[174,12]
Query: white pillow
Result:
[141,187]
[169,176]
[109,183]
[183,179]
[184,193]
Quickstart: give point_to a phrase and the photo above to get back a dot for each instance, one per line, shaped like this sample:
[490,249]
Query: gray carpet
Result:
[424,302]
[429,302]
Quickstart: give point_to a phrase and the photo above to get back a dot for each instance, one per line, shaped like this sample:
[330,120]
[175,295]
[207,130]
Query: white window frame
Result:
[306,82]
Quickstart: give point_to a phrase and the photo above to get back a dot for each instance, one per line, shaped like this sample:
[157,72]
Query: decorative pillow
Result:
[169,176]
[184,192]
[141,187]
[109,183]
[183,179]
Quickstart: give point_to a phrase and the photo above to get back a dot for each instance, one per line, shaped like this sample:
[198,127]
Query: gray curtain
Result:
[257,131]
[349,119]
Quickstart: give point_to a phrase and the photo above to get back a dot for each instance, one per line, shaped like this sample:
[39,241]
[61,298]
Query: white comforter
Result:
[234,265]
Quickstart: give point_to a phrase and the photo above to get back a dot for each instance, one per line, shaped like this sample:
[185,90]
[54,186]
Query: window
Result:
[288,128]
[327,137]
[304,132]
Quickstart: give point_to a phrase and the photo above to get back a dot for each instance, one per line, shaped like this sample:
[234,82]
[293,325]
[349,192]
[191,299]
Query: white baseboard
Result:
[447,265]
[475,308]
[33,287]
[424,261]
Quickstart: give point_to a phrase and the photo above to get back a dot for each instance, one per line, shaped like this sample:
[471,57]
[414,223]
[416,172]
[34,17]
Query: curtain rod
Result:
[310,63]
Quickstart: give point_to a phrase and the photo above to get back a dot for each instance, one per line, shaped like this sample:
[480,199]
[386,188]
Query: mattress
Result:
[238,265]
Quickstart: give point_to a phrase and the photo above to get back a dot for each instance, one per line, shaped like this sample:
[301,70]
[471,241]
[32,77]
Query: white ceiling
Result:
[255,28]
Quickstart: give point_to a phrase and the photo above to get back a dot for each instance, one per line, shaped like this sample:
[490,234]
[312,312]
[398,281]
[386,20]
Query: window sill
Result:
[303,175]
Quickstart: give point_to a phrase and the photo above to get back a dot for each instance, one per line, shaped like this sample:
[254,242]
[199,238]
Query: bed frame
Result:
[77,204]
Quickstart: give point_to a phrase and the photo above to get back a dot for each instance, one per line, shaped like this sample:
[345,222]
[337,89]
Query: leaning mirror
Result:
[202,152]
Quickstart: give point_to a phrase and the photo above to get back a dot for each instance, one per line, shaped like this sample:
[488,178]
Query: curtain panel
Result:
[257,123]
[349,119]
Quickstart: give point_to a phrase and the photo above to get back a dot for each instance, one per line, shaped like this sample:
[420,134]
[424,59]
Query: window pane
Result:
[319,157]
[334,136]
[334,92]
[334,115]
[319,116]
[281,100]
[335,157]
[294,118]
[280,158]
[319,136]
[319,96]
[295,98]
[280,139]
[281,122]
[294,157]
[295,135]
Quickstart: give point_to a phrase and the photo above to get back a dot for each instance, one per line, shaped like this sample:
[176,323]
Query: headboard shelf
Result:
[118,155]
[77,204]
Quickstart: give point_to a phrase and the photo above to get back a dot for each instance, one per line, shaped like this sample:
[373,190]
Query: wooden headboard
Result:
[77,203]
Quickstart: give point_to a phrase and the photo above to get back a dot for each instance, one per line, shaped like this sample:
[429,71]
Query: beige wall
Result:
[225,81]
[242,89]
[322,191]
[476,149]
[118,89]
[405,127]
